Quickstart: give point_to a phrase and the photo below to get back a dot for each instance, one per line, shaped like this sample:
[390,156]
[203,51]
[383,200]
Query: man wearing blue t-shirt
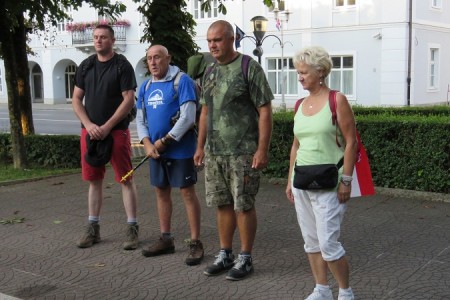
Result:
[165,119]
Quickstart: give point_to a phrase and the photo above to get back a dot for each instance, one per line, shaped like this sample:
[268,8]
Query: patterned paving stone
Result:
[398,248]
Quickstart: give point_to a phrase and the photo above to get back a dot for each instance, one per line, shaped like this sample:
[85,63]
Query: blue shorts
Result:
[172,172]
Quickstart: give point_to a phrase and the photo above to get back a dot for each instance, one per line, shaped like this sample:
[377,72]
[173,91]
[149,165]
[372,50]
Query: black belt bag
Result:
[317,177]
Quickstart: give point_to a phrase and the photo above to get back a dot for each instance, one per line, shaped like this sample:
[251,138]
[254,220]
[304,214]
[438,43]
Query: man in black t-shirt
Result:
[107,83]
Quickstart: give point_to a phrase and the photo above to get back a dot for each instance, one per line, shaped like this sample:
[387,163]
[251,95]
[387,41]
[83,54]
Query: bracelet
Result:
[166,140]
[346,178]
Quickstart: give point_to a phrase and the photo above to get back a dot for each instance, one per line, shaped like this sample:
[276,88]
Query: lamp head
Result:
[259,27]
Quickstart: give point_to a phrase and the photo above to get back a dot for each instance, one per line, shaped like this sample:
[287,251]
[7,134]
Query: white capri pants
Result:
[320,215]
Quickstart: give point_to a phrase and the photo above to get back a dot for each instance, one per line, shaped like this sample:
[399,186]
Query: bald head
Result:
[158,60]
[224,26]
[220,37]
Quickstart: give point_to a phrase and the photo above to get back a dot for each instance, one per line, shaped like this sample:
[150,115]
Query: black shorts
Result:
[172,172]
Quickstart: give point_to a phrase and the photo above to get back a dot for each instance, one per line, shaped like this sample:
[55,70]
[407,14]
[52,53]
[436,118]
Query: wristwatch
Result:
[346,180]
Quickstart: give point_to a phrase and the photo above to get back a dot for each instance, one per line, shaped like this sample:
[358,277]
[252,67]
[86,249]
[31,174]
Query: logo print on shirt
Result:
[155,98]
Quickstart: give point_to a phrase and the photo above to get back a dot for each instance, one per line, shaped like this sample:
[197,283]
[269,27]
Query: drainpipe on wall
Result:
[408,79]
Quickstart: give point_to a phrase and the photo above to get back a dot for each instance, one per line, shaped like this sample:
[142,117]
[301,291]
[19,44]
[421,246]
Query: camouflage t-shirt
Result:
[232,107]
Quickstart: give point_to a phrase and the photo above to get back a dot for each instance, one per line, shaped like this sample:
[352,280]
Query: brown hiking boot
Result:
[163,246]
[91,236]
[132,241]
[196,252]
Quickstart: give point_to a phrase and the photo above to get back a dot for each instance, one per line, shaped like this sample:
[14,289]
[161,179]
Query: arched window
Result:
[37,89]
[69,77]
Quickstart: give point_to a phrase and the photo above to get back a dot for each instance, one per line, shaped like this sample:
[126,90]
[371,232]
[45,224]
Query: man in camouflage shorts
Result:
[235,126]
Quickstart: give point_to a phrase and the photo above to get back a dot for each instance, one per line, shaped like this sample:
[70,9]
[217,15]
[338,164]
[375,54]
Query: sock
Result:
[227,251]
[322,288]
[132,221]
[347,291]
[246,254]
[166,235]
[93,219]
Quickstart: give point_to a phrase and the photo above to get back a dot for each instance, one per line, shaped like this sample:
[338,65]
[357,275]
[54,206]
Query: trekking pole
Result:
[134,169]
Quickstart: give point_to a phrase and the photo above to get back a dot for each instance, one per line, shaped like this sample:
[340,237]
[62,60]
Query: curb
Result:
[391,192]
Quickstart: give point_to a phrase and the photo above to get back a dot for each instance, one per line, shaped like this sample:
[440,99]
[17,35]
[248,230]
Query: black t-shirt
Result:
[103,84]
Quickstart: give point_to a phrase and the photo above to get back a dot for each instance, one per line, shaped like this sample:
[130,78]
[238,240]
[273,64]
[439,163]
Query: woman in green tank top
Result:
[319,140]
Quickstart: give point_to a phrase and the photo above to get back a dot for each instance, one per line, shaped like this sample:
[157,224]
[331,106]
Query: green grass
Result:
[8,173]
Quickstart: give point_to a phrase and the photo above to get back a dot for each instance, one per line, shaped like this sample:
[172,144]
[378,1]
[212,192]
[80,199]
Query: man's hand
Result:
[95,132]
[260,160]
[199,158]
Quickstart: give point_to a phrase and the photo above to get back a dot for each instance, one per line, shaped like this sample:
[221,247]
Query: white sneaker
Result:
[346,296]
[320,295]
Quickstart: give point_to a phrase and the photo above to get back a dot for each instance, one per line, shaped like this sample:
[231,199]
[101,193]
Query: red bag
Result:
[362,183]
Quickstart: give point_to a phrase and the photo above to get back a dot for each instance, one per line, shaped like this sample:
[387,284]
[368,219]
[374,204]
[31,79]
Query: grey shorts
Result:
[231,180]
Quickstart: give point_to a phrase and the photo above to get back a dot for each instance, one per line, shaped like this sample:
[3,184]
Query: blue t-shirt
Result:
[162,102]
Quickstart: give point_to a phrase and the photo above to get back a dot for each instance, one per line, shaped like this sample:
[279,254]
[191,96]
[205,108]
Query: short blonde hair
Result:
[316,57]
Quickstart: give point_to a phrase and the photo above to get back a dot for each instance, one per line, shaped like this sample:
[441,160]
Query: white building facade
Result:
[385,53]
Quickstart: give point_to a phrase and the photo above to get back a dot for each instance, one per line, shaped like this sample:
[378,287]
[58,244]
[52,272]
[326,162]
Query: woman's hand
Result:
[344,192]
[289,194]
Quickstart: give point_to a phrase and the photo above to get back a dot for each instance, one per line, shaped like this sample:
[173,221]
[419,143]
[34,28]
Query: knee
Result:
[188,194]
[331,250]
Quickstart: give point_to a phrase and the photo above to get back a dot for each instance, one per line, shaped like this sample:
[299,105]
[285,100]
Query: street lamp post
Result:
[259,30]
[276,12]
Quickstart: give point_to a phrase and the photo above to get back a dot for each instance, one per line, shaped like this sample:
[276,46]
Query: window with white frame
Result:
[281,5]
[342,75]
[1,82]
[61,26]
[276,72]
[344,3]
[433,81]
[199,14]
[436,4]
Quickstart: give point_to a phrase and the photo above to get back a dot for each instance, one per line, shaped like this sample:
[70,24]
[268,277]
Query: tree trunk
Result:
[23,76]
[17,140]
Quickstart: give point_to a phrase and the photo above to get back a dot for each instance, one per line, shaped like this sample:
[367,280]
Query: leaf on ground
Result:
[57,221]
[99,265]
[12,221]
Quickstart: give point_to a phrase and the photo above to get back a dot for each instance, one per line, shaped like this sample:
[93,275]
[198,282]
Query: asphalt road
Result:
[52,119]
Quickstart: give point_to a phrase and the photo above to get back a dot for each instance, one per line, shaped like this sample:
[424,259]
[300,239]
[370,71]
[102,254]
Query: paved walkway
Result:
[398,247]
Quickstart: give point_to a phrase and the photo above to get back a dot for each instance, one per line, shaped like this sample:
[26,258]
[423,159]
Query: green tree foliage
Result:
[15,17]
[170,25]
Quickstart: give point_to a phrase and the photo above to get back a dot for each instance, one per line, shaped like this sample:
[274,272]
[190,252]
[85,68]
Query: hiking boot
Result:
[163,246]
[91,236]
[222,263]
[132,241]
[242,268]
[320,295]
[196,252]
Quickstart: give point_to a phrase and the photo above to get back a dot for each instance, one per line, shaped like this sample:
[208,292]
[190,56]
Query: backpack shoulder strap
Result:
[297,104]
[176,81]
[88,63]
[244,66]
[333,107]
[147,85]
[209,69]
[120,61]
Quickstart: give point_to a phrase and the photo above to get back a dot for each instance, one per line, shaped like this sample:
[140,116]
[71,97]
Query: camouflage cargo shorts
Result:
[231,180]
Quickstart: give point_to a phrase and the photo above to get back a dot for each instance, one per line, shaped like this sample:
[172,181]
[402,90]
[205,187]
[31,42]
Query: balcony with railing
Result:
[83,35]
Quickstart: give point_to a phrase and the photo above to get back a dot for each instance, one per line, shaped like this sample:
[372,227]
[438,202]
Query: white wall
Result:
[375,32]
